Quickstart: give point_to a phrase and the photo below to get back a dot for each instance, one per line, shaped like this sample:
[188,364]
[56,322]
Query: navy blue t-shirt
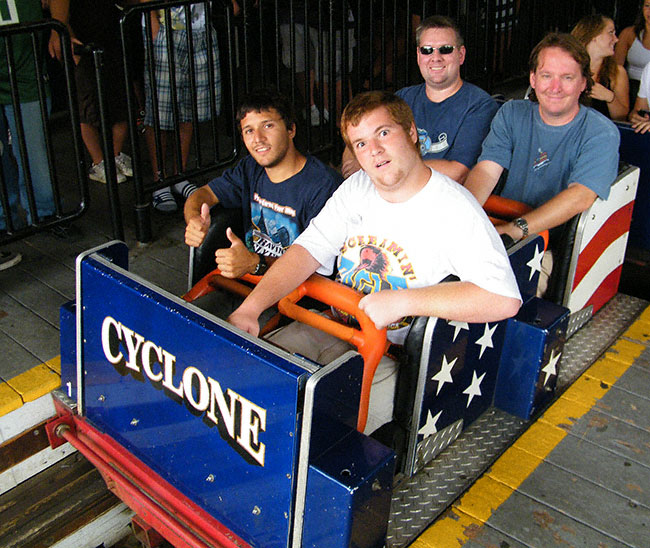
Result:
[453,129]
[275,213]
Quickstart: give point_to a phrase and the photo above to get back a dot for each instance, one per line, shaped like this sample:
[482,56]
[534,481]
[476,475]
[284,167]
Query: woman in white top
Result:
[640,115]
[633,48]
[610,92]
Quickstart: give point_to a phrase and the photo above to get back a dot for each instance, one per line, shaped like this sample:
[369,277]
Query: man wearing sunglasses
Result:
[452,116]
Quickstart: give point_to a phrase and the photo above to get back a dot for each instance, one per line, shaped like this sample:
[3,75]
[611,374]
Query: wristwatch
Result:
[261,267]
[521,223]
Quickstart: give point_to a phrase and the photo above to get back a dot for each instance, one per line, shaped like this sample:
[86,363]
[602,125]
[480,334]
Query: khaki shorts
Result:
[322,348]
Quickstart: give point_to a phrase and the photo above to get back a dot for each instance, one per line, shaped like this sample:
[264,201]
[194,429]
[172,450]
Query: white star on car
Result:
[444,375]
[430,426]
[486,339]
[458,326]
[474,389]
[550,368]
[535,264]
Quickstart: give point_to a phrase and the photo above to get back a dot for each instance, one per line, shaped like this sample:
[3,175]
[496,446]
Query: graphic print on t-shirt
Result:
[369,265]
[428,145]
[273,227]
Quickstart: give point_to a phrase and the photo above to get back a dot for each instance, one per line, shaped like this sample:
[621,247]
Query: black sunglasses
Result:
[443,50]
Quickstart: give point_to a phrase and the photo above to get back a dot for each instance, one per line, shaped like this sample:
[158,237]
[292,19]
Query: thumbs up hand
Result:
[236,260]
[197,227]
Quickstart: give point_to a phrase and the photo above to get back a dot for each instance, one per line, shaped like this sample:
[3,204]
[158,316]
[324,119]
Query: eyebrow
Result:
[261,122]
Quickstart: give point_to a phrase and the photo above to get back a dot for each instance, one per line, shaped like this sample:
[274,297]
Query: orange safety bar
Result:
[501,210]
[370,341]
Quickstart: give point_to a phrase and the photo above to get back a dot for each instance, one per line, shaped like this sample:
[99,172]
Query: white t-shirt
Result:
[442,230]
[644,88]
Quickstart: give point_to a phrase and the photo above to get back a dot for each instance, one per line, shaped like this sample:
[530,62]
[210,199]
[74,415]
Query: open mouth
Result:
[382,164]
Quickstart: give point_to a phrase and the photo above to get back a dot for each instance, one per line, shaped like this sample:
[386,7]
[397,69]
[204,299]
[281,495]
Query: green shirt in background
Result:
[11,12]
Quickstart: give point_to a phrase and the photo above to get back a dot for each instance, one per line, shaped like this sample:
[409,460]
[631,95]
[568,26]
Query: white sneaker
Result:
[124,164]
[9,259]
[97,172]
[315,115]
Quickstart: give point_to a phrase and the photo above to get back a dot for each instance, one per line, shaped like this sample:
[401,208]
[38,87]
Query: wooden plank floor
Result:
[32,292]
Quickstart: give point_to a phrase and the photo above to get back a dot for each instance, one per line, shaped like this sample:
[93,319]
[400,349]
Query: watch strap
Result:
[262,266]
[523,225]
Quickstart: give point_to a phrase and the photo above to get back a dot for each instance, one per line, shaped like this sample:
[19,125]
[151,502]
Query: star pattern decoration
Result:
[430,426]
[474,389]
[535,264]
[444,375]
[550,368]
[486,339]
[458,326]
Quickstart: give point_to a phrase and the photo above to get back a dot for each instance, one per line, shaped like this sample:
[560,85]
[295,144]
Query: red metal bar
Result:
[157,502]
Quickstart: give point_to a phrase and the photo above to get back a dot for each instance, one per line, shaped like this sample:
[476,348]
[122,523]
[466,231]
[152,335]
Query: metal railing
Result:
[351,45]
[212,143]
[35,194]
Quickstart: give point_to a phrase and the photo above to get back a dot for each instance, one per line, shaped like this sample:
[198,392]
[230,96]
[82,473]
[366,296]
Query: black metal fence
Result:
[318,52]
[33,196]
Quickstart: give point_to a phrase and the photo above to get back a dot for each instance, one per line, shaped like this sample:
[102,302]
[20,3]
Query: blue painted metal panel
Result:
[67,337]
[463,364]
[209,410]
[531,357]
[634,150]
[349,494]
[526,262]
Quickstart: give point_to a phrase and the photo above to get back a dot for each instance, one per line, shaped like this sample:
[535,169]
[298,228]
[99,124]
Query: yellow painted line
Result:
[36,382]
[450,532]
[462,522]
[30,385]
[10,400]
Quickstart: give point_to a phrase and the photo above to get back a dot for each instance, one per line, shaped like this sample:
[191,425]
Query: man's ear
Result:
[292,130]
[413,133]
[462,52]
[531,79]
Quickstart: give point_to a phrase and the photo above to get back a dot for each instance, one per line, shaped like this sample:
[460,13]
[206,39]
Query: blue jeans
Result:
[9,174]
[37,154]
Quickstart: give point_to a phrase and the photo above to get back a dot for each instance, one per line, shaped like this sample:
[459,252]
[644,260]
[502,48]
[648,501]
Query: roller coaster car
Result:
[216,438]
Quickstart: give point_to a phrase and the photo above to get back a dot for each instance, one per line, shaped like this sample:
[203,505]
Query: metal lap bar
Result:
[370,341]
[166,509]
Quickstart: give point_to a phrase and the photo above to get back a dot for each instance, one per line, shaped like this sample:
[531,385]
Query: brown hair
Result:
[585,31]
[639,23]
[364,103]
[570,45]
[438,22]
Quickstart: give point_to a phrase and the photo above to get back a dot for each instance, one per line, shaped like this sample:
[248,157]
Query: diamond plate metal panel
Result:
[596,336]
[419,500]
[430,447]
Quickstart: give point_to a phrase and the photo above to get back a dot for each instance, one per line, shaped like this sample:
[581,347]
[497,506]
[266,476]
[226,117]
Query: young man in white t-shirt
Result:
[396,224]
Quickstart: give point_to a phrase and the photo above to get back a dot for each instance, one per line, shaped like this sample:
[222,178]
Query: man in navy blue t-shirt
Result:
[278,189]
[452,116]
